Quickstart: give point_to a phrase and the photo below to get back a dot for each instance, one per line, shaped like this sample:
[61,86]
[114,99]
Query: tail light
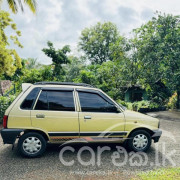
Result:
[5,119]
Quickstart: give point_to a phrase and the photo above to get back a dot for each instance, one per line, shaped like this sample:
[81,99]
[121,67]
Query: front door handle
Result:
[87,117]
[40,116]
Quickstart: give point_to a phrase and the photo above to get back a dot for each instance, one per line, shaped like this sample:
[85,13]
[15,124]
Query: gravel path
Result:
[49,167]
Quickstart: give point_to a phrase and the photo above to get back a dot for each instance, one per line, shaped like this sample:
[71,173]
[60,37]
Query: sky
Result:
[61,21]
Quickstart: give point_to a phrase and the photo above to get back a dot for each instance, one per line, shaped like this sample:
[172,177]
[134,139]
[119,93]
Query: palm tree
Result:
[32,63]
[14,5]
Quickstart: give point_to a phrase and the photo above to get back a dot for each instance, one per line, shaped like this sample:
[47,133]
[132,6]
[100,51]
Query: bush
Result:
[140,105]
[172,101]
[4,104]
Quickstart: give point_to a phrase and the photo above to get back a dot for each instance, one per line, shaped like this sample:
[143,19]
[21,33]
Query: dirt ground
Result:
[173,115]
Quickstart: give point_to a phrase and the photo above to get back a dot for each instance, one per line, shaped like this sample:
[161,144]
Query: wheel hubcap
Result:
[140,141]
[32,145]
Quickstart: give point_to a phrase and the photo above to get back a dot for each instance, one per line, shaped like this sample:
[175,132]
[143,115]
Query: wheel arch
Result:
[141,128]
[46,137]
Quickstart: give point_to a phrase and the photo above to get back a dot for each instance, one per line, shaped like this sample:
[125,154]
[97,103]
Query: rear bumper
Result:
[9,135]
[156,136]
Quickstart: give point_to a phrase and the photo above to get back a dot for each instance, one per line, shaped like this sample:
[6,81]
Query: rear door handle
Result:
[40,116]
[87,117]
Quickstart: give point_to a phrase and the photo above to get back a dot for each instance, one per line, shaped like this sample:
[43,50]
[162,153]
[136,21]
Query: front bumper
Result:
[9,135]
[156,135]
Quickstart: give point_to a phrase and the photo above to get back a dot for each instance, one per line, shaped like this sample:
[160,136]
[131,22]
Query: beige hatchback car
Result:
[58,112]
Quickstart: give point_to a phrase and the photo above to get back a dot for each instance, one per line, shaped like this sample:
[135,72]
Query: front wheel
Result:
[139,140]
[31,144]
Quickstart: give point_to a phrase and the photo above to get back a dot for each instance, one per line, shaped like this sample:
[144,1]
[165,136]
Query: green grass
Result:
[160,174]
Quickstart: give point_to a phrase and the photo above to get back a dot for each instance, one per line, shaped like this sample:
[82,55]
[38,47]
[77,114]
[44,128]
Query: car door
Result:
[99,115]
[55,112]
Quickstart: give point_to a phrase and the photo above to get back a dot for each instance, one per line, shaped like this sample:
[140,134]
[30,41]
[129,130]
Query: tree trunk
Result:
[178,99]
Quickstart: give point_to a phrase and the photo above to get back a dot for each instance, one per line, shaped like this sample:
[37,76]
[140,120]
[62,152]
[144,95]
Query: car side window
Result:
[93,102]
[42,103]
[28,102]
[56,101]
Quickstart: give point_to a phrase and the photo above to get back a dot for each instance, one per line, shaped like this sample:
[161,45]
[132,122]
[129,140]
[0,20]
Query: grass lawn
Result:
[160,174]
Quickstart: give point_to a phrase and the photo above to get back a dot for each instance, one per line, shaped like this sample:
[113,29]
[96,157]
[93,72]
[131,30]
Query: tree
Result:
[108,76]
[73,69]
[157,49]
[22,74]
[88,75]
[9,59]
[32,63]
[96,42]
[59,58]
[110,80]
[45,73]
[14,5]
[17,74]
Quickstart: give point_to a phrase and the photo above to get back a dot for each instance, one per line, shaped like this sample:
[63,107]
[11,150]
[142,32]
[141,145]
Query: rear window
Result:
[56,101]
[28,103]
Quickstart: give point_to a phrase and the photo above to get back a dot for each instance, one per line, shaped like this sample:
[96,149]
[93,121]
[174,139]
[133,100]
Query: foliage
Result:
[45,73]
[137,105]
[145,104]
[9,59]
[4,104]
[59,58]
[87,77]
[17,74]
[172,101]
[156,47]
[32,63]
[14,5]
[97,40]
[160,174]
[112,63]
[108,53]
[158,92]
[32,76]
[98,76]
[107,76]
[73,68]
[20,73]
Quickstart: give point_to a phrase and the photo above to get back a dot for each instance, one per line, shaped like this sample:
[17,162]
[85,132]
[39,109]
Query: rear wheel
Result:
[139,140]
[31,144]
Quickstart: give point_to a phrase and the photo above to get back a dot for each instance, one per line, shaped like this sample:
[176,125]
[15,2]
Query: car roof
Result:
[65,84]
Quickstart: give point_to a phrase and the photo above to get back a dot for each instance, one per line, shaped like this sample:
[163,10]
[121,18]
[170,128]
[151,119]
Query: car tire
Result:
[31,145]
[139,141]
